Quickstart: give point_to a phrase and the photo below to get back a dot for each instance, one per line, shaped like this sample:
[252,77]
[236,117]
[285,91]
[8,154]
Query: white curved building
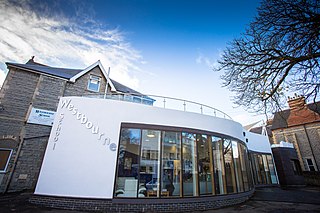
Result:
[107,154]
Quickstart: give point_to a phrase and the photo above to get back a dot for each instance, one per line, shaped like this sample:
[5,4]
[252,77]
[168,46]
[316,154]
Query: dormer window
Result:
[94,83]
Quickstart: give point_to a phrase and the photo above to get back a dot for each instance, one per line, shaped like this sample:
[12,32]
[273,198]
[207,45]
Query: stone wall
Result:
[306,140]
[15,97]
[312,178]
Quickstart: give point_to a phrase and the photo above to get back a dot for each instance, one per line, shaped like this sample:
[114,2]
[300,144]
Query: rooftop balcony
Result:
[164,102]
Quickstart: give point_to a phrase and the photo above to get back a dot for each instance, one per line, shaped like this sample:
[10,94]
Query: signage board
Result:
[41,116]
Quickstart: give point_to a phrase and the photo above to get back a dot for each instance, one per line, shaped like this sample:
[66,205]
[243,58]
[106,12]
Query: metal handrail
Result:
[148,100]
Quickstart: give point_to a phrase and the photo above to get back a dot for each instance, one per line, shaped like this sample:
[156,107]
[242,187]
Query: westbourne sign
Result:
[84,120]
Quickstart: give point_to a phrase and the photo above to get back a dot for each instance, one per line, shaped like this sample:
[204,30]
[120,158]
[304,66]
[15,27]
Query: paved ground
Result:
[275,200]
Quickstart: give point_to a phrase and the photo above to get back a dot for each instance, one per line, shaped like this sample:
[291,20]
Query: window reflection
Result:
[272,170]
[229,167]
[205,164]
[149,163]
[237,166]
[243,167]
[263,168]
[266,169]
[171,164]
[190,174]
[218,164]
[127,178]
[154,163]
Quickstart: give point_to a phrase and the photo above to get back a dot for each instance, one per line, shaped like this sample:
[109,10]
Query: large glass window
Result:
[218,164]
[205,164]
[229,167]
[171,164]
[128,162]
[244,166]
[272,170]
[237,166]
[255,167]
[263,168]
[149,162]
[266,169]
[153,164]
[190,174]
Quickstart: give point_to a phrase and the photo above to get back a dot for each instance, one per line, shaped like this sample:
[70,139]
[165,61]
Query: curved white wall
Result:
[80,160]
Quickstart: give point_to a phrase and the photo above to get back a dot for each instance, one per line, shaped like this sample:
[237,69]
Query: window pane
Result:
[94,83]
[219,172]
[4,158]
[205,164]
[272,170]
[128,161]
[229,167]
[255,166]
[149,162]
[237,166]
[261,171]
[244,168]
[250,166]
[190,176]
[266,169]
[171,164]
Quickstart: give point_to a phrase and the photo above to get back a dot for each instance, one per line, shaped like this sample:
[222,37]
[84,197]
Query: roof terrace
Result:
[165,102]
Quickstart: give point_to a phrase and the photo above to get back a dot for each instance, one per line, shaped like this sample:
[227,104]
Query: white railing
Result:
[164,102]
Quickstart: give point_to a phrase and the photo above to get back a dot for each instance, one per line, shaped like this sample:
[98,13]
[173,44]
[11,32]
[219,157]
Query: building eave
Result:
[34,71]
[86,70]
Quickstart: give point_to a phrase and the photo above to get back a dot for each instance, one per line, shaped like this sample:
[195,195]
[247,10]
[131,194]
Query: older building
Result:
[28,100]
[300,125]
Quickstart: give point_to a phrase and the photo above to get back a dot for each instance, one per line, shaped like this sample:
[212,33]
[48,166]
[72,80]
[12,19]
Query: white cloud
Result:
[201,59]
[58,41]
[2,77]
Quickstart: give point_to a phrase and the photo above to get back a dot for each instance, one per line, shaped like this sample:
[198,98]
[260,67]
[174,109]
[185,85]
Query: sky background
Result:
[156,47]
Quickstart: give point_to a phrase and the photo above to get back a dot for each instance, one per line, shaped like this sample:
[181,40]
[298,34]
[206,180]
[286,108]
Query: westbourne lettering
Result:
[87,123]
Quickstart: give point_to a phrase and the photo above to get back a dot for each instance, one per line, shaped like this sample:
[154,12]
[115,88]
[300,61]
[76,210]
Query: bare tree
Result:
[279,52]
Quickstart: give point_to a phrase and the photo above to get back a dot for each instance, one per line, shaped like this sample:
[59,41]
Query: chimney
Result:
[300,114]
[31,61]
[297,102]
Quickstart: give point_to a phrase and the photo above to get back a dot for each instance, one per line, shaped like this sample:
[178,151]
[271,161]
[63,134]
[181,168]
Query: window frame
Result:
[91,77]
[309,165]
[7,161]
[182,131]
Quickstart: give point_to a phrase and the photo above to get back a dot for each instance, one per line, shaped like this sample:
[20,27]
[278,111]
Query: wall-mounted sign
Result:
[41,116]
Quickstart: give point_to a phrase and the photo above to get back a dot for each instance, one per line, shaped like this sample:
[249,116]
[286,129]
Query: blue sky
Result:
[157,47]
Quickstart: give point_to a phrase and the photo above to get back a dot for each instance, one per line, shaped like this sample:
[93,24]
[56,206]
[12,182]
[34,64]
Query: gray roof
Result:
[121,88]
[55,71]
[65,73]
[280,118]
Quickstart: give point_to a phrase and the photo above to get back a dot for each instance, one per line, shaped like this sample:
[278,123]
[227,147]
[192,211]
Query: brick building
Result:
[27,90]
[300,125]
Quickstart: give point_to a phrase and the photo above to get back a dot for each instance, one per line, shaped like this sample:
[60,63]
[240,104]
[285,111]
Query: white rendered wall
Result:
[258,143]
[80,159]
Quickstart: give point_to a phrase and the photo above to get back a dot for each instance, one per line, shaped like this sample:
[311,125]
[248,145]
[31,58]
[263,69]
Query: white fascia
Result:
[98,63]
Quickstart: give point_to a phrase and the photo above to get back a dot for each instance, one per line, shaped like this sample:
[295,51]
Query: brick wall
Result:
[142,205]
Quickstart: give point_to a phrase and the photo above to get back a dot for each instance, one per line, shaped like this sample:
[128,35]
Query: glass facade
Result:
[263,169]
[160,164]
